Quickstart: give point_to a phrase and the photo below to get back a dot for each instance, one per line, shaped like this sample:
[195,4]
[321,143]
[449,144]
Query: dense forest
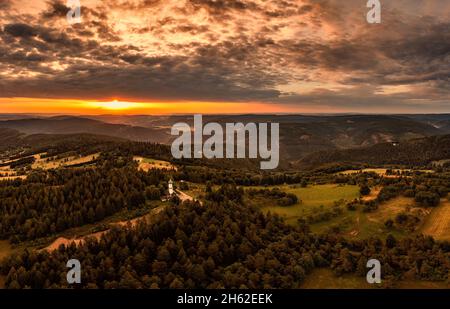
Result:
[51,202]
[222,244]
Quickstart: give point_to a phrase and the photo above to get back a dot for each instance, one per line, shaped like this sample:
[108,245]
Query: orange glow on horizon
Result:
[123,107]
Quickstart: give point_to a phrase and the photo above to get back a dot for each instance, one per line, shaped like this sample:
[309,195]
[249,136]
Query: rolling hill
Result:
[12,139]
[300,135]
[71,125]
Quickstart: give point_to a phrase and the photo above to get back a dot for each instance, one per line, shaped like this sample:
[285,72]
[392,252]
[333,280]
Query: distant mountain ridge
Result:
[300,135]
[71,125]
[11,139]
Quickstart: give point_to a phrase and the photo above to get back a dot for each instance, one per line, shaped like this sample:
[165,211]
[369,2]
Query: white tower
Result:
[171,192]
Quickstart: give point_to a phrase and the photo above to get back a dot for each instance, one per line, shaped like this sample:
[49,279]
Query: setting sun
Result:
[114,105]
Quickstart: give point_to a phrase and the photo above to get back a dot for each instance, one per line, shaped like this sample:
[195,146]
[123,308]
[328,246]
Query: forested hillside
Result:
[47,203]
[417,152]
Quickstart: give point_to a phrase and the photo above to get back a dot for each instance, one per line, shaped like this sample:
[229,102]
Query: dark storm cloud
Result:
[20,30]
[157,81]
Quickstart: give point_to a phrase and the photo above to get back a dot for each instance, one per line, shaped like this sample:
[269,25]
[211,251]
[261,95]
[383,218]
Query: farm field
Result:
[438,222]
[147,164]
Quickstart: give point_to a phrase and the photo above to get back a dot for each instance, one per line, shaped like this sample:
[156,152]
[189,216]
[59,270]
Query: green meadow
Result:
[317,199]
[311,199]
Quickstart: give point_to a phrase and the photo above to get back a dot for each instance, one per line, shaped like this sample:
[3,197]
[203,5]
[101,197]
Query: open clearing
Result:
[373,194]
[355,224]
[312,198]
[51,163]
[390,209]
[438,222]
[147,164]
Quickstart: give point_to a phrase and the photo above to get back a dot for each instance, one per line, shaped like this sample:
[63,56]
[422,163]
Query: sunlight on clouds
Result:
[386,90]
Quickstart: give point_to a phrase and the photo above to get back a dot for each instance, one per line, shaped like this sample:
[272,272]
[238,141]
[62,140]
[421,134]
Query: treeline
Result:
[222,244]
[218,176]
[427,190]
[51,202]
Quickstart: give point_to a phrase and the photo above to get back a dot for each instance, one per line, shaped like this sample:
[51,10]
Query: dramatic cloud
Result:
[300,53]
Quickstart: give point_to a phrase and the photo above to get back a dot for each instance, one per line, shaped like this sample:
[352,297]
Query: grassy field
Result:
[312,198]
[438,222]
[147,164]
[390,209]
[354,224]
[362,225]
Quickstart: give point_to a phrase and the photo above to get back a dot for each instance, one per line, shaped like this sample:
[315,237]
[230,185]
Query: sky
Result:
[224,56]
